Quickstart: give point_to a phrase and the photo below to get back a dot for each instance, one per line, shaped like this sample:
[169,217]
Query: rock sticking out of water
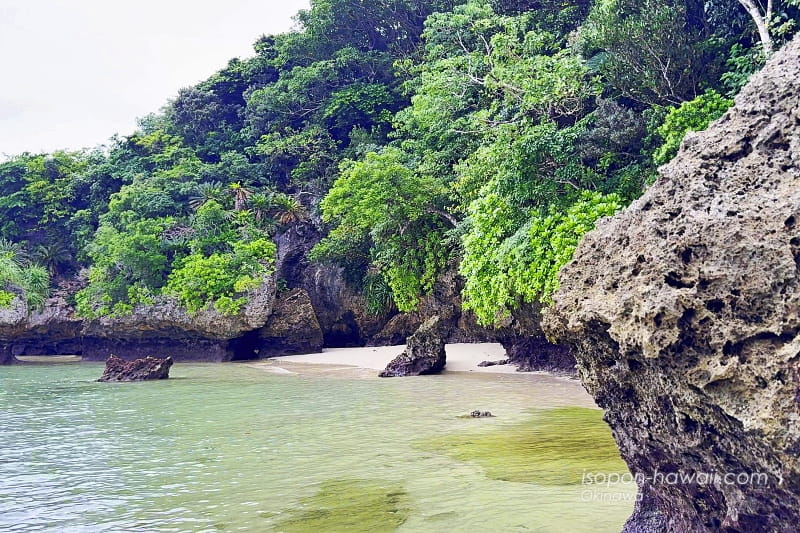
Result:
[424,354]
[117,369]
[6,357]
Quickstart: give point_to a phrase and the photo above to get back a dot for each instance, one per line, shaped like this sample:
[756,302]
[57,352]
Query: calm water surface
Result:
[238,448]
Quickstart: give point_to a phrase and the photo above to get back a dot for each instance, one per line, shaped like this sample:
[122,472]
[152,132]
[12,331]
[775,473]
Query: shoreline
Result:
[365,361]
[461,357]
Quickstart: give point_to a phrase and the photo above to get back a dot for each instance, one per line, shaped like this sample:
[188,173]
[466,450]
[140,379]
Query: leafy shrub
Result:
[199,281]
[741,63]
[388,215]
[6,298]
[694,115]
[503,267]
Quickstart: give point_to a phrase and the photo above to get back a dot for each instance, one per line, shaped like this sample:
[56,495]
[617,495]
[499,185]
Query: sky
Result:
[75,72]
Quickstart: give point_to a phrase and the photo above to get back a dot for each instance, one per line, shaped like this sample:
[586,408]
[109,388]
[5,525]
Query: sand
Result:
[460,358]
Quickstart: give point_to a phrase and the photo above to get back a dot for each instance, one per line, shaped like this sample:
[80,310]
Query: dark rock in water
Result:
[117,369]
[424,354]
[293,327]
[683,312]
[6,355]
[536,354]
[494,363]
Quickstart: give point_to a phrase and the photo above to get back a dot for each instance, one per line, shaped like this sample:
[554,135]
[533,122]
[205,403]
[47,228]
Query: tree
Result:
[240,195]
[397,212]
[651,52]
[771,19]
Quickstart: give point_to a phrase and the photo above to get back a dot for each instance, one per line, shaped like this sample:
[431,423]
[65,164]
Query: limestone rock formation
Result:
[13,319]
[340,311]
[292,328]
[424,354]
[521,334]
[527,347]
[683,312]
[148,368]
[534,353]
[166,327]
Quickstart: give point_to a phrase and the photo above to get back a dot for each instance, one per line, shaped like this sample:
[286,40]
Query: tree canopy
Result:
[482,135]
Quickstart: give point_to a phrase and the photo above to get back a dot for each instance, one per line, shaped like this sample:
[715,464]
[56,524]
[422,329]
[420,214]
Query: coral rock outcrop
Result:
[292,328]
[145,369]
[683,312]
[424,353]
[166,327]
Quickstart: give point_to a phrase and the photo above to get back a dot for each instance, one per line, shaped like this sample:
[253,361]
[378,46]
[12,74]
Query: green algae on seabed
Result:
[350,505]
[554,447]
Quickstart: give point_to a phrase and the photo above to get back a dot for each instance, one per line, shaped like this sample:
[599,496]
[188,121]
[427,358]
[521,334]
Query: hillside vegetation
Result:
[494,132]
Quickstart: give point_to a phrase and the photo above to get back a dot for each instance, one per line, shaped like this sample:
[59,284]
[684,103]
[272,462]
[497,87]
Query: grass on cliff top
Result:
[553,447]
[349,505]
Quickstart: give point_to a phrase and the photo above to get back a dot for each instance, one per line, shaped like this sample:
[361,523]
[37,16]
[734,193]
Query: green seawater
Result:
[239,448]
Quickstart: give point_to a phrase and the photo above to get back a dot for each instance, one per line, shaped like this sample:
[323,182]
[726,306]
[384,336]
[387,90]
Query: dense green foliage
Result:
[694,115]
[505,265]
[19,278]
[416,136]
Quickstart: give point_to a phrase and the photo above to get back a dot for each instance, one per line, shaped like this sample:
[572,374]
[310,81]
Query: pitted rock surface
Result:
[683,312]
[424,354]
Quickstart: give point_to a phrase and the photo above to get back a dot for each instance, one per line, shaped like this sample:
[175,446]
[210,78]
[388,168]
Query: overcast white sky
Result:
[75,72]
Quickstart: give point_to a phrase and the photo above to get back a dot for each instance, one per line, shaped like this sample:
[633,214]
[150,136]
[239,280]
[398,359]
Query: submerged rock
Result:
[555,447]
[683,312]
[424,354]
[148,368]
[349,505]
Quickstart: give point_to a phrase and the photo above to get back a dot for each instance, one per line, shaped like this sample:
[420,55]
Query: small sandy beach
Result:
[460,358]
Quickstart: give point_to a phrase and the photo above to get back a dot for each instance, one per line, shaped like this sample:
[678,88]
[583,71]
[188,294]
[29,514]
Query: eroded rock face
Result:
[536,354]
[145,369]
[293,327]
[424,353]
[340,310]
[166,328]
[683,312]
[521,334]
[527,347]
[13,319]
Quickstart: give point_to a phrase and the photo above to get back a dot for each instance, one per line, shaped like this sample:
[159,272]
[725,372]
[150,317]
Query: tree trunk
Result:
[761,22]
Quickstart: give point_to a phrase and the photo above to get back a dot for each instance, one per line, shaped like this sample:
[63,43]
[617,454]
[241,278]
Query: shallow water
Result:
[238,448]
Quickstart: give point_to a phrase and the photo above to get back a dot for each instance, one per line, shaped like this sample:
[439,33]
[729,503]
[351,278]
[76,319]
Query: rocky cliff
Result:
[301,308]
[683,312]
[521,335]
